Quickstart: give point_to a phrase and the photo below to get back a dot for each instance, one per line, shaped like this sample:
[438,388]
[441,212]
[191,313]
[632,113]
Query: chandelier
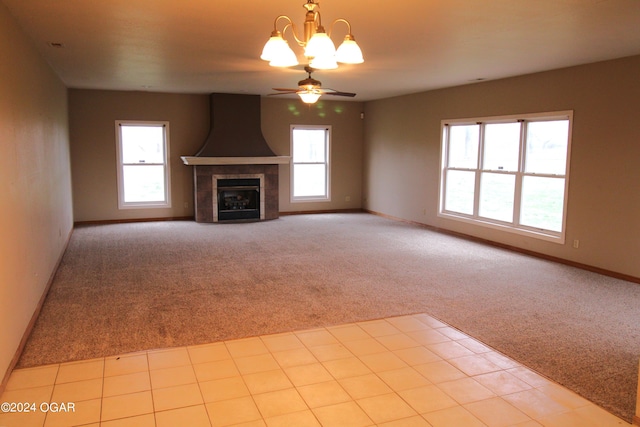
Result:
[319,49]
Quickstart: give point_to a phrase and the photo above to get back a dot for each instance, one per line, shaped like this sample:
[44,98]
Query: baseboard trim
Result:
[34,317]
[636,420]
[358,210]
[127,220]
[581,266]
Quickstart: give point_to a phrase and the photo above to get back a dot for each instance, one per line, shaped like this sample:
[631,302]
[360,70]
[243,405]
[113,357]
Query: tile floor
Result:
[401,371]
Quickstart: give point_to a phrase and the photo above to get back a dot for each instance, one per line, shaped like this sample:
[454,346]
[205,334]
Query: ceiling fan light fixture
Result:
[309,96]
[349,52]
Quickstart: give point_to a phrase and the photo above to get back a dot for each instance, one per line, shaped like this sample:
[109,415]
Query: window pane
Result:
[542,202]
[309,145]
[142,144]
[309,180]
[143,183]
[463,146]
[547,147]
[496,196]
[502,146]
[459,191]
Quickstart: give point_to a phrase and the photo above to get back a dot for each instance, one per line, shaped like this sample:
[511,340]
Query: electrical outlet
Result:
[576,244]
[186,205]
[347,199]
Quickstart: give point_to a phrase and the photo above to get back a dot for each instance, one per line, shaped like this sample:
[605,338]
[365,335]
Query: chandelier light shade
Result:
[319,50]
[309,96]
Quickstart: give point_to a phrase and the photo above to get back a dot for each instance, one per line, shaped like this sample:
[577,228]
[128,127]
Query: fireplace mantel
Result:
[266,160]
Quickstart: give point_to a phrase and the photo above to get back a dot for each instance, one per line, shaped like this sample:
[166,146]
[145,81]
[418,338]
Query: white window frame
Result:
[327,163]
[515,226]
[166,203]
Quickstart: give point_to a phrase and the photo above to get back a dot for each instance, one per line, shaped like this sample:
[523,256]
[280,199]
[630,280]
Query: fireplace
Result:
[235,171]
[239,197]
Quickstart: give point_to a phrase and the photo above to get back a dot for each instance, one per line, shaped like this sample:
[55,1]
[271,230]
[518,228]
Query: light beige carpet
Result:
[128,287]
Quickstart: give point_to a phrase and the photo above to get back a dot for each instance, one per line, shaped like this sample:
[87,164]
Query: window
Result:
[310,163]
[508,172]
[143,168]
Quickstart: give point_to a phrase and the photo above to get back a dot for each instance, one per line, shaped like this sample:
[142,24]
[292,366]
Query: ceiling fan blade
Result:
[282,93]
[338,93]
[284,90]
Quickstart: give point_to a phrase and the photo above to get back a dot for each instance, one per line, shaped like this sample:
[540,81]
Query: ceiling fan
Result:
[310,89]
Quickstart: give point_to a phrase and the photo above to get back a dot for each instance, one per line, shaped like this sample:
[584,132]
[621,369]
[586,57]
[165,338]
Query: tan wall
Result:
[35,183]
[93,147]
[402,156]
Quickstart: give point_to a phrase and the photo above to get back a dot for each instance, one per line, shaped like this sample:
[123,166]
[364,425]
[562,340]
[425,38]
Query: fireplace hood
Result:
[235,135]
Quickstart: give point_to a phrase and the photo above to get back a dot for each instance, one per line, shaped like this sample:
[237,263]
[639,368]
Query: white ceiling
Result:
[204,46]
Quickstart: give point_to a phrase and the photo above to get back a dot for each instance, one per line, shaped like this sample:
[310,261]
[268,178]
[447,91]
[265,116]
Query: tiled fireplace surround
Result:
[206,194]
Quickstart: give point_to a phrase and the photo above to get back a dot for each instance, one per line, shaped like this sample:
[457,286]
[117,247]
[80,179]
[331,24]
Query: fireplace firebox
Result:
[238,199]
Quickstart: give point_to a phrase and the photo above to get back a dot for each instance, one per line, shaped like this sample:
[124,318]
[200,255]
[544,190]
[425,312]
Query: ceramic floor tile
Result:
[415,421]
[348,333]
[386,407]
[364,346]
[263,382]
[258,363]
[380,362]
[23,419]
[535,404]
[530,377]
[408,323]
[343,368]
[378,328]
[449,350]
[427,336]
[126,384]
[452,333]
[208,353]
[85,412]
[126,405]
[216,370]
[34,394]
[282,342]
[364,386]
[232,411]
[77,391]
[440,371]
[280,402]
[474,365]
[502,382]
[456,416]
[122,365]
[417,355]
[397,341]
[500,360]
[564,396]
[297,419]
[466,390]
[308,374]
[475,346]
[147,420]
[32,377]
[78,371]
[497,412]
[177,397]
[342,414]
[600,416]
[170,377]
[430,321]
[403,379]
[316,337]
[246,347]
[294,357]
[323,394]
[223,389]
[330,352]
[427,399]
[162,359]
[192,416]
